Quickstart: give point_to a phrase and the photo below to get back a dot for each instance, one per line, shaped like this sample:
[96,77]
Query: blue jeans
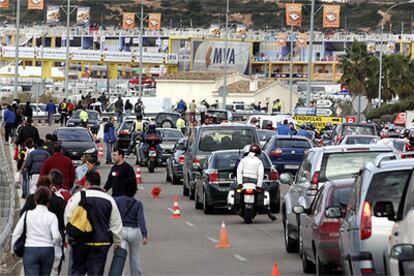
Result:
[108,152]
[131,240]
[38,260]
[119,117]
[26,183]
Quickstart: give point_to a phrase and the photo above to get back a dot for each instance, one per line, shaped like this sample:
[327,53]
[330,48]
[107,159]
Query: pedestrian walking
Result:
[57,179]
[202,109]
[193,109]
[82,169]
[91,167]
[84,118]
[51,110]
[25,150]
[121,174]
[134,229]
[27,131]
[139,108]
[10,120]
[109,139]
[28,111]
[180,124]
[119,109]
[63,110]
[128,108]
[181,107]
[64,164]
[34,163]
[42,235]
[71,108]
[90,253]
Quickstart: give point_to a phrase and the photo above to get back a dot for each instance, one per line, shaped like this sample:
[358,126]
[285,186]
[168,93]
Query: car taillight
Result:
[338,139]
[181,159]
[366,221]
[366,271]
[152,148]
[213,177]
[196,162]
[330,226]
[249,191]
[274,174]
[315,181]
[276,153]
[124,132]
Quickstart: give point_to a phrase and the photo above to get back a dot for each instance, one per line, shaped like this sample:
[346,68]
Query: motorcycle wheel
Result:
[151,166]
[248,215]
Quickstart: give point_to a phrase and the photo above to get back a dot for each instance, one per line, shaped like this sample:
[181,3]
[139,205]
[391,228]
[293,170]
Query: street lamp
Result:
[141,27]
[225,55]
[310,54]
[16,66]
[67,49]
[381,50]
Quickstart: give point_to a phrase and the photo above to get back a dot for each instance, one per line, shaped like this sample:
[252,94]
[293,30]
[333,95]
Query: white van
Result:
[152,105]
[263,120]
[9,90]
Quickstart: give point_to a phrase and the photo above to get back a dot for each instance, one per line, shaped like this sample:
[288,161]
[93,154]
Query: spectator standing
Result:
[34,163]
[42,235]
[62,163]
[28,111]
[119,109]
[134,229]
[120,175]
[51,110]
[277,106]
[181,106]
[109,139]
[63,110]
[27,131]
[139,108]
[128,108]
[284,129]
[180,124]
[90,256]
[10,121]
[71,108]
[202,109]
[193,109]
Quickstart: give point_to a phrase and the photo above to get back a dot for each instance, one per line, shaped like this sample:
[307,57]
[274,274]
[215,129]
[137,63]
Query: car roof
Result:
[167,128]
[358,124]
[266,130]
[169,113]
[293,137]
[225,125]
[350,148]
[361,136]
[332,184]
[71,128]
[397,164]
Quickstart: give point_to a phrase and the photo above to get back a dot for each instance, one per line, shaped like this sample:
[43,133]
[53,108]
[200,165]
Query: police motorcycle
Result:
[149,151]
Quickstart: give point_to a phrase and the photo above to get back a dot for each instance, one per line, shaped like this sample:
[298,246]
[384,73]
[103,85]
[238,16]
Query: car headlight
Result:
[91,150]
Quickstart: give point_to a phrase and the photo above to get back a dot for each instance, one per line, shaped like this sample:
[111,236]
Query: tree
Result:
[398,77]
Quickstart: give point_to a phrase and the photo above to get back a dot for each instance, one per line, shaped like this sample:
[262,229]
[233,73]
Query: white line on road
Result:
[240,258]
[213,240]
[189,224]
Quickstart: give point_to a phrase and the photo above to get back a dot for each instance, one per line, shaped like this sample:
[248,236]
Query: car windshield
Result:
[92,115]
[265,135]
[388,186]
[42,107]
[356,129]
[72,135]
[218,114]
[344,165]
[340,197]
[399,145]
[226,138]
[225,161]
[291,143]
[359,140]
[170,133]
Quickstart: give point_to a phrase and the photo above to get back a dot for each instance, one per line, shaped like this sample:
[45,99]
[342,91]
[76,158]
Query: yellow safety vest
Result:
[139,126]
[84,116]
[180,123]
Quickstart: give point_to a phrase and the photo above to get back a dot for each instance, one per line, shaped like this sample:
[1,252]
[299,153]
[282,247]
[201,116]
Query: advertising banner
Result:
[302,40]
[4,4]
[331,16]
[117,56]
[52,14]
[24,52]
[83,15]
[281,40]
[209,55]
[294,15]
[154,21]
[86,55]
[51,53]
[35,4]
[128,21]
[318,121]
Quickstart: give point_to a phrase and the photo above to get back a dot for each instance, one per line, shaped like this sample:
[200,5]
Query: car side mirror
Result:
[285,178]
[403,252]
[384,209]
[298,210]
[333,212]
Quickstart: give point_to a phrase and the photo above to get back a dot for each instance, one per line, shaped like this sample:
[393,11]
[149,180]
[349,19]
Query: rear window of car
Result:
[343,165]
[359,140]
[291,143]
[170,134]
[226,138]
[358,129]
[219,114]
[265,135]
[73,136]
[340,197]
[388,186]
[225,161]
[91,115]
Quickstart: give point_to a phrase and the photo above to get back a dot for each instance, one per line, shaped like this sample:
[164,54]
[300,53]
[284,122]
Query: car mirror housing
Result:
[298,210]
[333,212]
[384,209]
[403,252]
[285,178]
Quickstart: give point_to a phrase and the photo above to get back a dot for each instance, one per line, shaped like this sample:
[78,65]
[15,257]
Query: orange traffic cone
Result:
[275,270]
[176,213]
[100,150]
[138,175]
[155,192]
[223,239]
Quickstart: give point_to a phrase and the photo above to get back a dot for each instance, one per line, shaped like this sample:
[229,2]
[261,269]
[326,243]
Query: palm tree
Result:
[398,77]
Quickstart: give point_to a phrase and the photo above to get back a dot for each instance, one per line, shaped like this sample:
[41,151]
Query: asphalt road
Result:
[186,246]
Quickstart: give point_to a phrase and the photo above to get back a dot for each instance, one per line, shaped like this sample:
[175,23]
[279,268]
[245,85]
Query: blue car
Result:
[286,152]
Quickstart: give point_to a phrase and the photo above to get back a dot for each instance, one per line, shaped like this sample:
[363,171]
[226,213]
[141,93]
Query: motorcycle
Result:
[149,154]
[248,202]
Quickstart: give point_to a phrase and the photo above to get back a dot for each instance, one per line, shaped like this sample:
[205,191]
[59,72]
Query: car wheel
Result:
[175,180]
[191,193]
[166,124]
[197,204]
[321,269]
[291,245]
[307,266]
[207,208]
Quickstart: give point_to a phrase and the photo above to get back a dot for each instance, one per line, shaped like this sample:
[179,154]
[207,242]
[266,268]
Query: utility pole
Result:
[141,28]
[67,49]
[16,60]
[226,46]
[310,54]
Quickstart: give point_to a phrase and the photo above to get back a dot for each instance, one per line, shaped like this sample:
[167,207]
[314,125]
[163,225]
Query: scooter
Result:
[247,202]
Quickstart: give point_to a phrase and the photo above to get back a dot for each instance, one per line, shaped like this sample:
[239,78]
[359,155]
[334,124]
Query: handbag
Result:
[118,262]
[18,246]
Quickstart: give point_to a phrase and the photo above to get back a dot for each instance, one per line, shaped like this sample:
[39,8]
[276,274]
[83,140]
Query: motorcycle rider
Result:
[251,170]
[138,128]
[150,138]
[410,145]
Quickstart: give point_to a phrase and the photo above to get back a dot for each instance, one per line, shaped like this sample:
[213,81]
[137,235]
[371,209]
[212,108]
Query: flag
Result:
[83,15]
[294,15]
[154,21]
[128,21]
[302,41]
[331,16]
[4,4]
[281,39]
[35,4]
[52,14]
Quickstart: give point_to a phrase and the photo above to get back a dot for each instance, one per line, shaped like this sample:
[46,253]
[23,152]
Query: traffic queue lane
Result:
[186,246]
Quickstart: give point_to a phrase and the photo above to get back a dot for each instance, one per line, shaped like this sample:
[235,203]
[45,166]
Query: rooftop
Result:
[192,76]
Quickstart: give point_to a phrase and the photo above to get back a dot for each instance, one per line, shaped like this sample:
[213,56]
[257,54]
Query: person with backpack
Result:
[90,248]
[63,110]
[134,230]
[128,108]
[139,108]
[34,163]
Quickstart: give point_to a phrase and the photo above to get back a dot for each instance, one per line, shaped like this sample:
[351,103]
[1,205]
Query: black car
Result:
[169,137]
[208,138]
[218,173]
[93,121]
[175,163]
[167,119]
[76,141]
[218,116]
[124,131]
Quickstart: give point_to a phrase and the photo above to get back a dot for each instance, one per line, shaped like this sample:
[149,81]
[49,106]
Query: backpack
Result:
[79,227]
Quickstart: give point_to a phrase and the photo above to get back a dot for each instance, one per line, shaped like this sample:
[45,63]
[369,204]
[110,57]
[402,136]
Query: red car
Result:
[319,229]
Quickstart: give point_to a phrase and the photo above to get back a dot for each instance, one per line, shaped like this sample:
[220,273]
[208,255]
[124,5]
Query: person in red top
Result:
[62,163]
[56,177]
[71,107]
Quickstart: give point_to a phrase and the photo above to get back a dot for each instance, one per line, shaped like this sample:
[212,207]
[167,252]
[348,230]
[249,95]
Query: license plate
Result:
[248,198]
[291,167]
[167,146]
[152,154]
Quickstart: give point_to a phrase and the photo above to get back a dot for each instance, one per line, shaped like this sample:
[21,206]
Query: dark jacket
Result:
[28,111]
[51,108]
[132,213]
[35,160]
[26,132]
[119,177]
[109,133]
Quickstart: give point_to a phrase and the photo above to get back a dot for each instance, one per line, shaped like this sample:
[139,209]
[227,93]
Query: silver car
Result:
[364,232]
[319,166]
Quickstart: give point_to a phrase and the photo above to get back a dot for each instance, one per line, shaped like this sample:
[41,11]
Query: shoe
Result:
[272,217]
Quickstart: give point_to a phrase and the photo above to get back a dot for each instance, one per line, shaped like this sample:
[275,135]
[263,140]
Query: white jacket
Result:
[250,166]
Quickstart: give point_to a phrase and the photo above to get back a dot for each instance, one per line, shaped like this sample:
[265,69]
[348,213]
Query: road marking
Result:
[189,224]
[240,258]
[213,240]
